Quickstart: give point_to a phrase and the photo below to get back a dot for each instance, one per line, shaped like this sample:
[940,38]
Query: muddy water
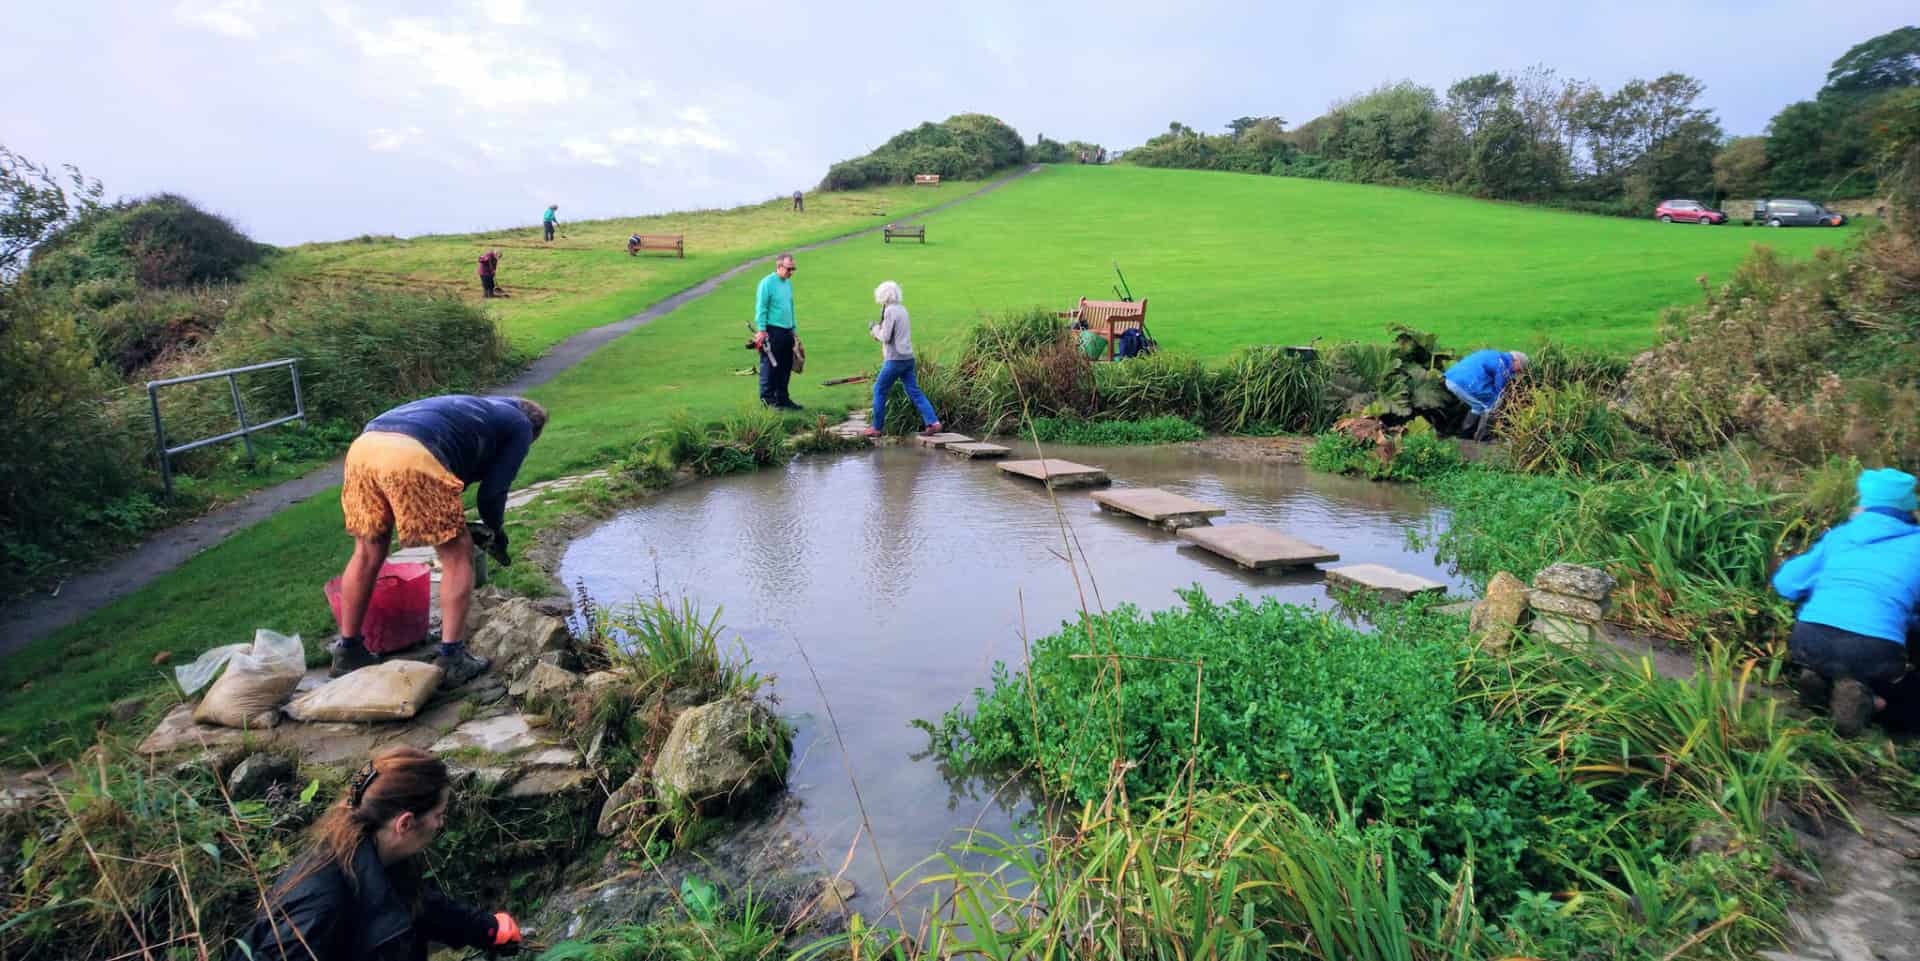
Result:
[904,574]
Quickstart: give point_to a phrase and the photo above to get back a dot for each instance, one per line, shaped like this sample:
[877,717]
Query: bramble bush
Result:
[1286,695]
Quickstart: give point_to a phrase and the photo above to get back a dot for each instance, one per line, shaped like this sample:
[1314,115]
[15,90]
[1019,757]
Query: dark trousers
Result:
[1837,654]
[486,285]
[774,375]
[549,230]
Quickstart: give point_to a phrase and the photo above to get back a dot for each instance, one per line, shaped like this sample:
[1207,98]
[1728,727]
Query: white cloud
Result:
[501,75]
[697,116]
[511,13]
[234,18]
[672,137]
[388,139]
[589,151]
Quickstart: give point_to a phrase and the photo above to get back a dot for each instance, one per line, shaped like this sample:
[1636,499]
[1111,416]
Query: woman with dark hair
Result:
[357,894]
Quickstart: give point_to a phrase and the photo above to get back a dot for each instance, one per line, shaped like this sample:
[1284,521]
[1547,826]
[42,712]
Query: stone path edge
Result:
[30,619]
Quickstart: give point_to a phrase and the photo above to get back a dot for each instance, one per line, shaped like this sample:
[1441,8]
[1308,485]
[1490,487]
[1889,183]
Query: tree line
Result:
[1537,136]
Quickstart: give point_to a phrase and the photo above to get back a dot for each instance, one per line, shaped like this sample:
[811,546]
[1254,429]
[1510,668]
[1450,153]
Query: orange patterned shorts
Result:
[395,485]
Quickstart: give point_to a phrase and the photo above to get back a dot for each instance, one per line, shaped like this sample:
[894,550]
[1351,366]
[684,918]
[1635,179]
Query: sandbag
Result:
[390,691]
[255,683]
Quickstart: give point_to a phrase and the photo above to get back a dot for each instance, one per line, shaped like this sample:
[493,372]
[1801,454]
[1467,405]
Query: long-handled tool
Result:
[753,343]
[1123,290]
[855,379]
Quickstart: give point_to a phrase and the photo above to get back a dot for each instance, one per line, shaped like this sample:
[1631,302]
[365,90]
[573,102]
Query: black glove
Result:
[493,541]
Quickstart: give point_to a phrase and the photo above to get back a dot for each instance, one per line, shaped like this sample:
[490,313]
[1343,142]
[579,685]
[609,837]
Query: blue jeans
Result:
[902,371]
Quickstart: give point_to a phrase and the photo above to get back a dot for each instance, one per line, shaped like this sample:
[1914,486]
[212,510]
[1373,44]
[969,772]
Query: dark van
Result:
[1794,212]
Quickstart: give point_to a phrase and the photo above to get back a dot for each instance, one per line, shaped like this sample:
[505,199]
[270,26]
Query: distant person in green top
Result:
[773,333]
[551,219]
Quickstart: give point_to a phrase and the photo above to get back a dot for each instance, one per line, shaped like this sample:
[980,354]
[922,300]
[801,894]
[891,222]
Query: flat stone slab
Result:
[1395,585]
[1057,473]
[977,449]
[1155,506]
[1257,548]
[940,440]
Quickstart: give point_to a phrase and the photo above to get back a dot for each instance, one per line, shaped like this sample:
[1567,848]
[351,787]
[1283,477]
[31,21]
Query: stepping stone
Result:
[977,449]
[1057,473]
[1394,585]
[1258,548]
[1155,506]
[940,440]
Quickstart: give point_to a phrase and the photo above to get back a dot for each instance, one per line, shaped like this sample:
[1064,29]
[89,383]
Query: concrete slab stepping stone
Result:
[1163,508]
[977,449]
[940,440]
[1056,473]
[1257,548]
[1394,585]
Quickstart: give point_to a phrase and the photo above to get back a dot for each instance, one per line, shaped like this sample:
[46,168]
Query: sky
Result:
[304,121]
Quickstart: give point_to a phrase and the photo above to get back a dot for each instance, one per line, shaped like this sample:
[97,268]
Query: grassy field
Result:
[1225,260]
[584,277]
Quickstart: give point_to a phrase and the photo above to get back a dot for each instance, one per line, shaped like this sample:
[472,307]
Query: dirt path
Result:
[35,617]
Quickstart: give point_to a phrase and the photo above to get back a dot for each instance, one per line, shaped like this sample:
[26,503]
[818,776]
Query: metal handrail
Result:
[246,431]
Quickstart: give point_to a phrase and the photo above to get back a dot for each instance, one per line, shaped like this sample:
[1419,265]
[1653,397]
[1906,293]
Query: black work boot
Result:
[460,667]
[1851,707]
[1814,689]
[350,655]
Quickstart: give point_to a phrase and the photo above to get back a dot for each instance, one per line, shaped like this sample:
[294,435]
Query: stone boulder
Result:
[1567,606]
[1500,613]
[722,756]
[1575,580]
[545,684]
[623,806]
[259,771]
[516,633]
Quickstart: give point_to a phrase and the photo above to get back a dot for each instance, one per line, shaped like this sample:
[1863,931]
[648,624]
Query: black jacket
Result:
[371,922]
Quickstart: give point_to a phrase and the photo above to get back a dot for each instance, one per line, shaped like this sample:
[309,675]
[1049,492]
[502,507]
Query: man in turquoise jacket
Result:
[1480,379]
[1857,589]
[773,333]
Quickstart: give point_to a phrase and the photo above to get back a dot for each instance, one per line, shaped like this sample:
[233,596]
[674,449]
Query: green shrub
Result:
[966,146]
[1569,429]
[1371,449]
[1265,387]
[1160,384]
[1287,697]
[1114,433]
[159,241]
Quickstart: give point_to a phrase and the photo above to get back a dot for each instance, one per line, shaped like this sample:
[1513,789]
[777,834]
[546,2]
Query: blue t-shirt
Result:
[482,439]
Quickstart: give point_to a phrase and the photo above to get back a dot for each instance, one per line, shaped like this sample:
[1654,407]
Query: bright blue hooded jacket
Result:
[1483,373]
[1863,576]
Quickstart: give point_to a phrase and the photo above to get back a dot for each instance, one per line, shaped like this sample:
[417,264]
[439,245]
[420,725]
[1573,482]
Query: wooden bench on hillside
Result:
[891,231]
[1109,317]
[926,180]
[674,242]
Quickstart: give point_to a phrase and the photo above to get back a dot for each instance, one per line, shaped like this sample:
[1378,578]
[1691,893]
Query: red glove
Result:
[505,930]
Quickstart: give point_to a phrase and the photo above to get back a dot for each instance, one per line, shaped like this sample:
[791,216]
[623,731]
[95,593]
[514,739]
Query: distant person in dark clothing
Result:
[773,333]
[404,476]
[358,893]
[1857,590]
[489,262]
[799,202]
[551,220]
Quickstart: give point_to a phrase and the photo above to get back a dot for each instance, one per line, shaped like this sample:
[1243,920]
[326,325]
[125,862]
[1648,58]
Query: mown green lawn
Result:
[1224,260]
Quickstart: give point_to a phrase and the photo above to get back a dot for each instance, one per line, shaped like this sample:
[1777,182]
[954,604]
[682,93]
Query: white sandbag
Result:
[256,682]
[391,691]
[192,677]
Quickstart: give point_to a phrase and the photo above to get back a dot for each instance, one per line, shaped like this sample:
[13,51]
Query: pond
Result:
[905,573]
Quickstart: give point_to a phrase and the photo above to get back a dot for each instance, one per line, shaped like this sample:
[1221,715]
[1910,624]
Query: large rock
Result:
[723,755]
[623,806]
[1566,631]
[1576,580]
[1574,608]
[545,683]
[259,771]
[516,633]
[1500,613]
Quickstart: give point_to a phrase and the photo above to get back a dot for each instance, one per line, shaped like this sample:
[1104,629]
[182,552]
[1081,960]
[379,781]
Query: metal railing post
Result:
[299,403]
[240,411]
[160,439]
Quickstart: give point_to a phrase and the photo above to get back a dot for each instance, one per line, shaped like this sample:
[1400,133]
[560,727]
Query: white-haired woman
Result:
[895,334]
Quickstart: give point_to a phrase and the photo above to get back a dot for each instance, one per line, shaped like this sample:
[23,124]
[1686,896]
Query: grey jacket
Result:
[895,333]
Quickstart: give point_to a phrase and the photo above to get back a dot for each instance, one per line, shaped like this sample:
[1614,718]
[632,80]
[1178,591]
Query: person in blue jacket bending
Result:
[1481,379]
[1857,590]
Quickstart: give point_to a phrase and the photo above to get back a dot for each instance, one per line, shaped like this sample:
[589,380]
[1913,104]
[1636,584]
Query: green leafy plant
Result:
[1158,430]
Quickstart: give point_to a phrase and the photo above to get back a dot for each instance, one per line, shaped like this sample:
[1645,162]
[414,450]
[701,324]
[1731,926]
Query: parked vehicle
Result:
[1687,212]
[1794,212]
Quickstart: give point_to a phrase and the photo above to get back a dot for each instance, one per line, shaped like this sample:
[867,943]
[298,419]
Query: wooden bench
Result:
[674,242]
[926,180]
[891,231]
[1109,317]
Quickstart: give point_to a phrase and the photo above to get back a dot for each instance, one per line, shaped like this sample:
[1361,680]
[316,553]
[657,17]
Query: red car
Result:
[1688,212]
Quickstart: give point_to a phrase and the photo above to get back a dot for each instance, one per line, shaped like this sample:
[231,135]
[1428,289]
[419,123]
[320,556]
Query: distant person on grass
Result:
[633,245]
[358,893]
[1857,589]
[773,333]
[551,220]
[895,334]
[1480,379]
[404,476]
[489,264]
[799,203]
